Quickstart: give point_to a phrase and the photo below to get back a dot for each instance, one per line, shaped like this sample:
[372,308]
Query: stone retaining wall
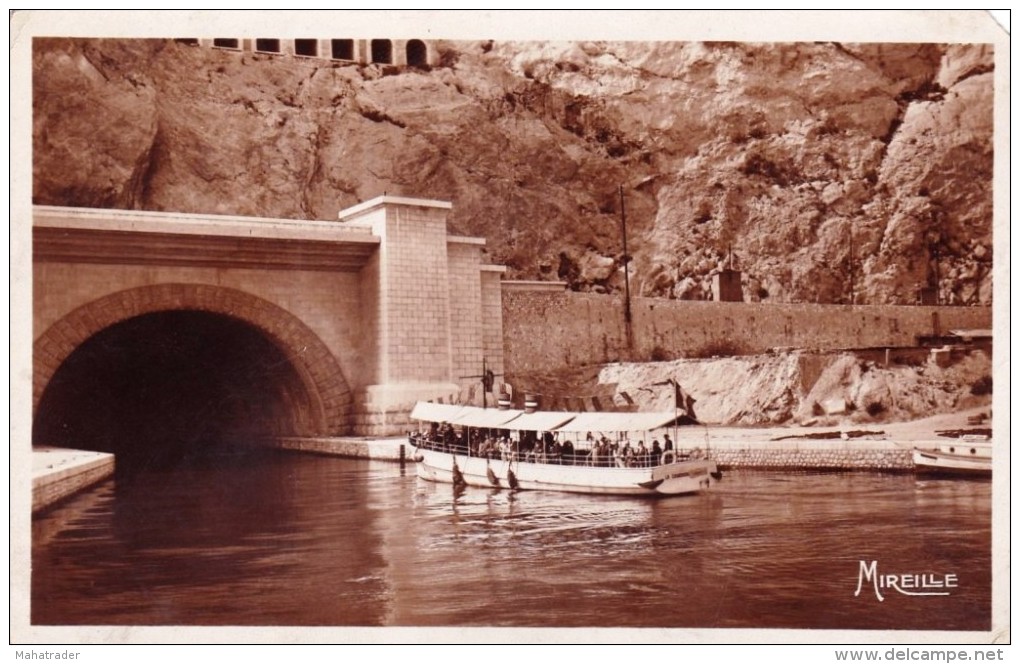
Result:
[548,330]
[51,488]
[787,459]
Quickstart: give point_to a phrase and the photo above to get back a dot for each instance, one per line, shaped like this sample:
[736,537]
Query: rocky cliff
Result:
[830,170]
[822,388]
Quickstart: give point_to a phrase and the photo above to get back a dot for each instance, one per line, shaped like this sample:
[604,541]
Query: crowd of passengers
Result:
[497,444]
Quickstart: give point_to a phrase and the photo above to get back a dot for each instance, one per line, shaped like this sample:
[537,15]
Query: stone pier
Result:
[59,473]
[386,449]
[871,455]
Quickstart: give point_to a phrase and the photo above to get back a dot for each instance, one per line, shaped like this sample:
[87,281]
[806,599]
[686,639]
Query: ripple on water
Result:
[308,540]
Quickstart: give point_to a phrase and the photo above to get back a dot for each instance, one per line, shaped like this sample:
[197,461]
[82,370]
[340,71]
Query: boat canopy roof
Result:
[485,418]
[618,422]
[541,420]
[517,420]
[435,412]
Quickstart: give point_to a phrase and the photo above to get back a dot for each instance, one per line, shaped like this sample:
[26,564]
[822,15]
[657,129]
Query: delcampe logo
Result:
[905,584]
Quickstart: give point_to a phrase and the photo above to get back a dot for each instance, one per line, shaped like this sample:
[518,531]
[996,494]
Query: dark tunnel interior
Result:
[167,388]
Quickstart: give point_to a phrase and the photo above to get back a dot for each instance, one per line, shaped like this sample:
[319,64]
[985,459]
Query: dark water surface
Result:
[281,539]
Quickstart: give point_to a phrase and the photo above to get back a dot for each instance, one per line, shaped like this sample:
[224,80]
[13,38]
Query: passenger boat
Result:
[673,472]
[969,455]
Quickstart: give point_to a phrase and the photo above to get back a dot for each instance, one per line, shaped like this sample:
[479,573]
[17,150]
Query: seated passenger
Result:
[567,452]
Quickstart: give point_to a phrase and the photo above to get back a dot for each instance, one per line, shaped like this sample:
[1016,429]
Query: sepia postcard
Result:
[478,327]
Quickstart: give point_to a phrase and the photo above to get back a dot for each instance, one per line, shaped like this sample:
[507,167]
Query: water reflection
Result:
[301,540]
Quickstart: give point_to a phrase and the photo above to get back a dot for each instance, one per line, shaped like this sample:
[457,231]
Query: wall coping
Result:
[652,302]
[382,201]
[526,285]
[168,223]
[464,239]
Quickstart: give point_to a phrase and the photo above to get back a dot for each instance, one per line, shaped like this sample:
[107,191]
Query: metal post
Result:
[485,401]
[852,294]
[626,276]
[626,260]
[938,278]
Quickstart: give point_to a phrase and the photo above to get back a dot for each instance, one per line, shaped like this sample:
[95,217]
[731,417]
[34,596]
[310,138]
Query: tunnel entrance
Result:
[164,388]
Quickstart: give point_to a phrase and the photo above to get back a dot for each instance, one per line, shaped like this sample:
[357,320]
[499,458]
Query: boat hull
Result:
[932,462]
[682,477]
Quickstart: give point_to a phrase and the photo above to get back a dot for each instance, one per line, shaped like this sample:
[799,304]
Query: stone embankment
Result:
[884,447]
[58,473]
[387,449]
[840,455]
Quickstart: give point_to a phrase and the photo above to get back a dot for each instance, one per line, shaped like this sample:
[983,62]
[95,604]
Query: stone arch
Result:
[417,53]
[316,365]
[382,51]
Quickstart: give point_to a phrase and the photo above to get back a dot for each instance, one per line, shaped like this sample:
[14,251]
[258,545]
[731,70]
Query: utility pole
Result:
[852,263]
[626,270]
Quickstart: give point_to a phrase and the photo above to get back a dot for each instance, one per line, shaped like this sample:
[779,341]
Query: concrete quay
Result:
[872,455]
[58,473]
[847,446]
[870,448]
[387,449]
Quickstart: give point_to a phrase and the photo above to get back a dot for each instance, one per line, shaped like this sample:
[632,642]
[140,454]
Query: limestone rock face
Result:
[824,171]
[788,388]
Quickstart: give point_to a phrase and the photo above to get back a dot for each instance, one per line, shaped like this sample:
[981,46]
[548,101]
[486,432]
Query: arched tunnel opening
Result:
[168,388]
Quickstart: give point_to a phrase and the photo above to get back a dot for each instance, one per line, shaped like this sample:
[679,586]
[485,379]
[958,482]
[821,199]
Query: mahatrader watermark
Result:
[46,654]
[906,584]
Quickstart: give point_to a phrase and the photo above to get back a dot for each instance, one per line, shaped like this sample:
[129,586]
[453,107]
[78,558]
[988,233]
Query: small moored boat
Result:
[445,457]
[969,455]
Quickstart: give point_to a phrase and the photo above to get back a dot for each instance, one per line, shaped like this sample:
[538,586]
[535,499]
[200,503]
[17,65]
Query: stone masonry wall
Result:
[51,488]
[550,330]
[492,320]
[845,459]
[465,308]
[413,299]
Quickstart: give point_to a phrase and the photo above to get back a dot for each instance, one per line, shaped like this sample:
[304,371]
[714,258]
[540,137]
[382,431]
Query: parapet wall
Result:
[551,330]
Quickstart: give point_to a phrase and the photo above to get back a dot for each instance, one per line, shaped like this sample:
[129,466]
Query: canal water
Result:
[295,540]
